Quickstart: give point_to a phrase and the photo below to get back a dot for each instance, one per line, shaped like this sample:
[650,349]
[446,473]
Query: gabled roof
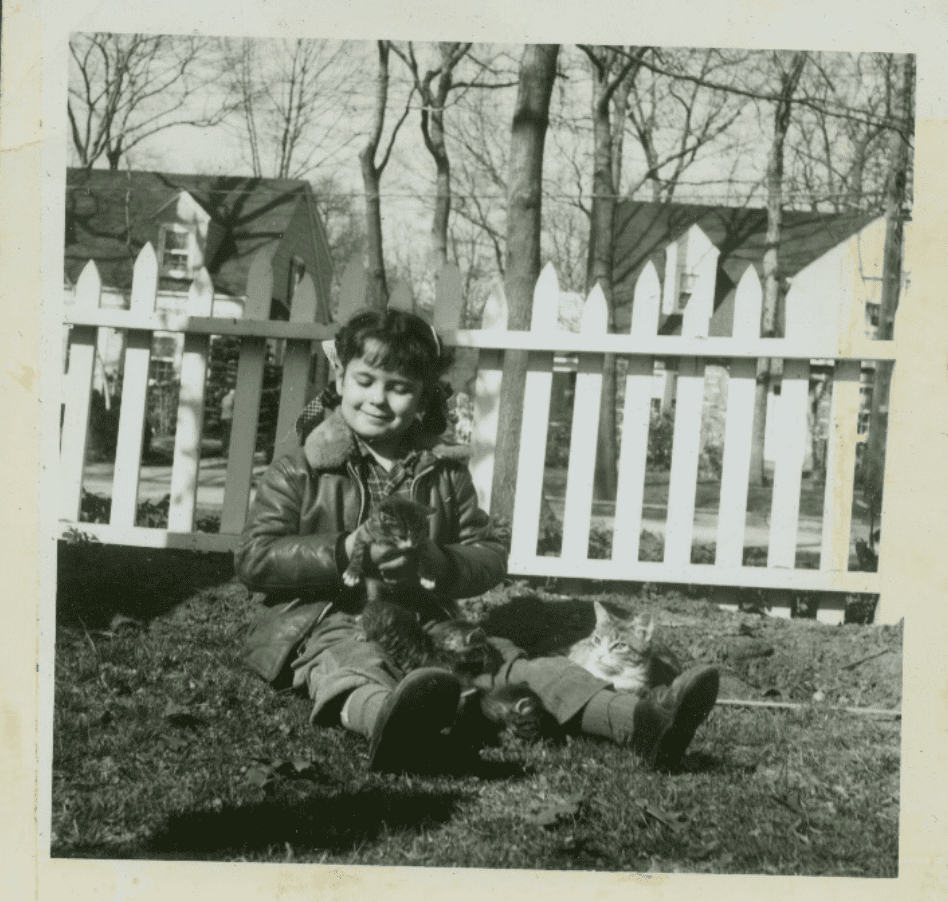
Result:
[110,216]
[739,233]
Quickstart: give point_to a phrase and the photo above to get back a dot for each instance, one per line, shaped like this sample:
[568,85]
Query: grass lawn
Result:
[166,748]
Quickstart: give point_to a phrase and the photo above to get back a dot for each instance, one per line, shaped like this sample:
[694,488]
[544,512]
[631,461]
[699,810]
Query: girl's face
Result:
[378,405]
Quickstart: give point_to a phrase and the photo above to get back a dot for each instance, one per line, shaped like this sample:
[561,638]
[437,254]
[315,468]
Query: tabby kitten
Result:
[398,523]
[625,653]
[455,645]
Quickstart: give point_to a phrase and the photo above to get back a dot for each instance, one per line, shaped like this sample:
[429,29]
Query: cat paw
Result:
[426,583]
[350,579]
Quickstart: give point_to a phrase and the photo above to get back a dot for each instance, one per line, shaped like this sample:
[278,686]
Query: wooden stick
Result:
[867,658]
[748,703]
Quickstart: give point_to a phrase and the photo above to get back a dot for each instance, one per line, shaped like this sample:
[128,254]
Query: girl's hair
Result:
[401,342]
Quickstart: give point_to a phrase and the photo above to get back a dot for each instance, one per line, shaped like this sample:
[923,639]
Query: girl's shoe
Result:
[410,727]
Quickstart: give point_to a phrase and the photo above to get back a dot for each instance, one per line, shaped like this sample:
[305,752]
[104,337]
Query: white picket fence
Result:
[641,347]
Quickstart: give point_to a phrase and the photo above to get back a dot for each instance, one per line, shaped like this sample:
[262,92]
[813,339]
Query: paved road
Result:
[155,482]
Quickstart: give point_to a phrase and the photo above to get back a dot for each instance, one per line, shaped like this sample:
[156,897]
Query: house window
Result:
[175,250]
[161,370]
[872,314]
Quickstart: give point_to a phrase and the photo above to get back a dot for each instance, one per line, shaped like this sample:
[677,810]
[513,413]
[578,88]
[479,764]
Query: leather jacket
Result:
[293,545]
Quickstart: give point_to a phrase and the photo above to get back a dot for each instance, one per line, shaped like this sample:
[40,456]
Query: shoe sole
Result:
[422,705]
[692,711]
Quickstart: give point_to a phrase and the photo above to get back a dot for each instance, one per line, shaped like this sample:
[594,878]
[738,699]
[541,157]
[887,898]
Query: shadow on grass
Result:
[321,820]
[97,581]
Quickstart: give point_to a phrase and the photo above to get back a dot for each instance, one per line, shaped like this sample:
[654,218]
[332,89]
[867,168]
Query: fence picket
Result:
[250,367]
[296,369]
[190,419]
[738,426]
[686,442]
[790,434]
[636,413]
[128,451]
[536,414]
[77,396]
[487,386]
[582,457]
[840,467]
[788,463]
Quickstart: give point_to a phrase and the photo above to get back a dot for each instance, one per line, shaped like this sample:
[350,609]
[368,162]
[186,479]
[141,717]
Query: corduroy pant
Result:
[335,660]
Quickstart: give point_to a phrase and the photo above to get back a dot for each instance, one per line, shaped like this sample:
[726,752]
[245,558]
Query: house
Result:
[686,242]
[191,221]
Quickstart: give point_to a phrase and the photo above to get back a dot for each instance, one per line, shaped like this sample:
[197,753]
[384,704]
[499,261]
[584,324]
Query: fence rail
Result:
[689,354]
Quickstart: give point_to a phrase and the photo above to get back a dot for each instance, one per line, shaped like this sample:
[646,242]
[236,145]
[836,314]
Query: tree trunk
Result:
[773,289]
[524,219]
[896,197]
[371,176]
[599,268]
[377,289]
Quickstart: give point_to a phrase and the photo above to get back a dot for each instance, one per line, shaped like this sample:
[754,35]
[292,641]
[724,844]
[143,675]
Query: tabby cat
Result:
[455,645]
[463,648]
[398,523]
[625,653]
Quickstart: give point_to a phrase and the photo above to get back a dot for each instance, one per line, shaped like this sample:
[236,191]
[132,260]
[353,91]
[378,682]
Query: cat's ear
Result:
[602,615]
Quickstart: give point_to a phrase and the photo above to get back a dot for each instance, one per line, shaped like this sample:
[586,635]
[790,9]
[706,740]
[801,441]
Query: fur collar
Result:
[332,443]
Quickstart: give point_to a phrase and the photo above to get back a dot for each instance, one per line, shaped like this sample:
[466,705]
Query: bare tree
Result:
[675,118]
[372,176]
[433,88]
[524,221]
[291,102]
[788,68]
[125,88]
[897,197]
[837,162]
[613,76]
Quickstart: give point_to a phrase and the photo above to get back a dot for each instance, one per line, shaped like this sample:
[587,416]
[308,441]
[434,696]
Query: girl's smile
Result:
[378,405]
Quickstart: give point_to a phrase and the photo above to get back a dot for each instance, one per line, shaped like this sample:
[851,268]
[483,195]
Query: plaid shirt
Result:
[381,483]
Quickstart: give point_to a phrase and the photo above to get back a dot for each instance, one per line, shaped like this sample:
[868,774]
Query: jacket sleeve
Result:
[477,561]
[271,555]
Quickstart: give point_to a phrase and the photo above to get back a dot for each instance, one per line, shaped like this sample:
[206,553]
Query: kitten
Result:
[397,522]
[462,648]
[625,653]
[455,645]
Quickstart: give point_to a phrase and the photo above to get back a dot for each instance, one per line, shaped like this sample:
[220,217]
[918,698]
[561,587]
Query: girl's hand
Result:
[388,562]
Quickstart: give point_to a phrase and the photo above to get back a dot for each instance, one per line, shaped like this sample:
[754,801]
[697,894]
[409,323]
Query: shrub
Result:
[150,514]
[660,434]
[558,438]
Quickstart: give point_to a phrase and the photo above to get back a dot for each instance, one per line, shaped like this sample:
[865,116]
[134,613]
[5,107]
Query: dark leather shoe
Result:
[666,718]
[412,721]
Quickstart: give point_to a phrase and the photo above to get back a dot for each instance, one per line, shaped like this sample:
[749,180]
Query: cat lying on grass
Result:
[625,652]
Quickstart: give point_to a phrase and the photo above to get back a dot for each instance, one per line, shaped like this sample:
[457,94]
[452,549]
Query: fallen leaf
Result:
[259,775]
[549,813]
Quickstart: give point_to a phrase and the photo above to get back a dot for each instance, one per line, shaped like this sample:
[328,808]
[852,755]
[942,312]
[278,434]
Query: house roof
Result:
[110,215]
[739,233]
[644,230]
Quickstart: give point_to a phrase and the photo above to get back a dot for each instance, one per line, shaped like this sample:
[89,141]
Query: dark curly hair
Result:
[402,342]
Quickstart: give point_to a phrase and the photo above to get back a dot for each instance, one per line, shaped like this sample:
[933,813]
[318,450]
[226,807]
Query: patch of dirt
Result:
[761,657]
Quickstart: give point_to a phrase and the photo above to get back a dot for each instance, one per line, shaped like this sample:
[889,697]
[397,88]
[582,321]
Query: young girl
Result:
[378,436]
